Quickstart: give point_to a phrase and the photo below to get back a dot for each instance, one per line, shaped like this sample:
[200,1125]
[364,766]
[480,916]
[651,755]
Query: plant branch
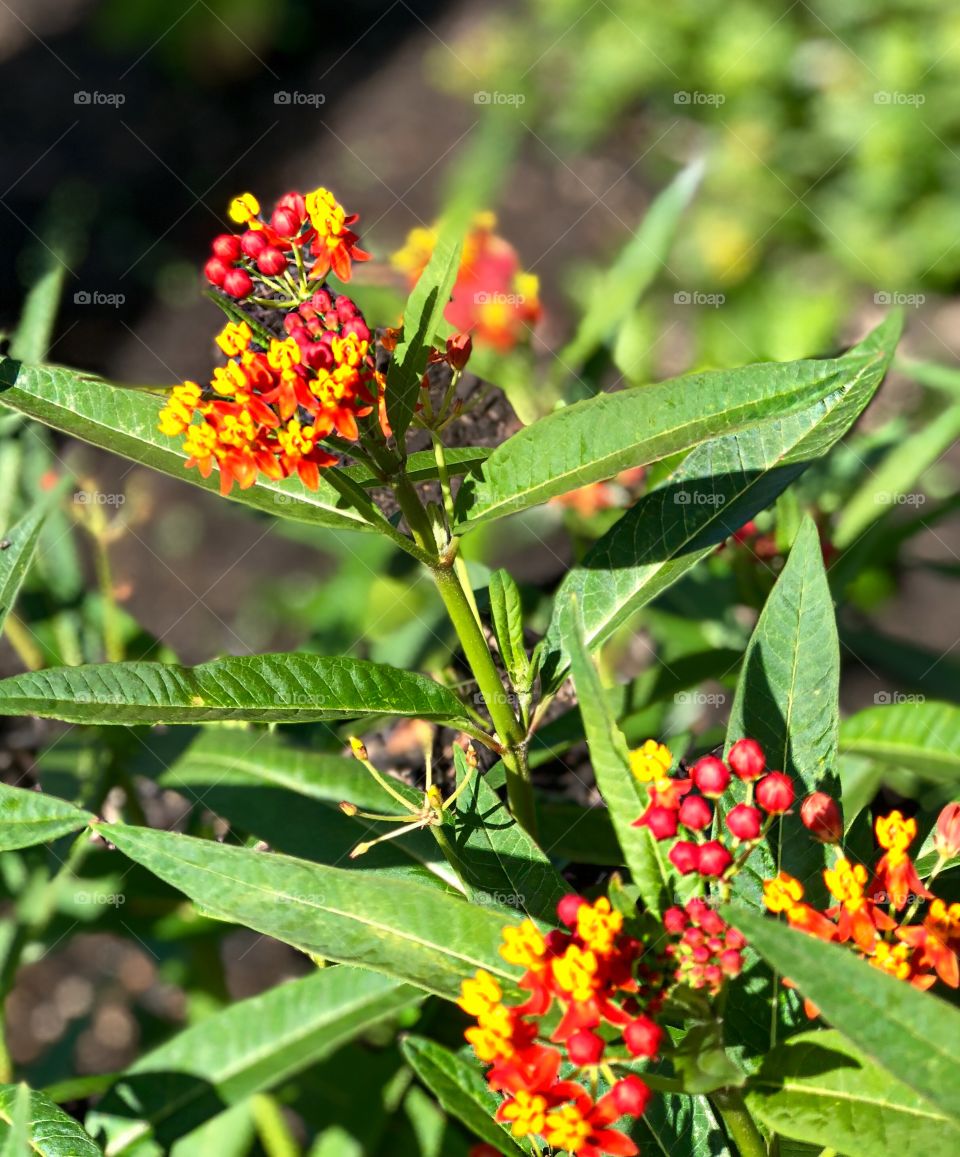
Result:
[740,1125]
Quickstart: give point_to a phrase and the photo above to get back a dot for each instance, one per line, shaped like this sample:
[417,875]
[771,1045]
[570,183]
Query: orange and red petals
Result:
[897,882]
[806,918]
[775,793]
[532,1068]
[820,815]
[580,1127]
[662,822]
[946,836]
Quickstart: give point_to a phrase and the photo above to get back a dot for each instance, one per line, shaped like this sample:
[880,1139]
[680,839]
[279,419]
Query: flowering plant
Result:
[717,944]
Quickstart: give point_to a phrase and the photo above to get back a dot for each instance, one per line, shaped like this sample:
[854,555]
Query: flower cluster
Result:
[707,950]
[493,299]
[269,408]
[597,975]
[876,911]
[682,807]
[305,238]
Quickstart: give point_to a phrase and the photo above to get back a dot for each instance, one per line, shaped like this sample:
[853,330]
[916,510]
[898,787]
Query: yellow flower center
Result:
[895,834]
[576,973]
[598,925]
[234,338]
[524,945]
[480,994]
[567,1129]
[846,882]
[651,761]
[782,893]
[526,1113]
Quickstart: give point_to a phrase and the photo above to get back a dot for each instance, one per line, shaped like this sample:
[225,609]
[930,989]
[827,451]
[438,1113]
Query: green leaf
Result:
[922,737]
[253,1045]
[17,548]
[611,766]
[506,610]
[280,688]
[124,419]
[30,817]
[461,1090]
[818,1088]
[677,1125]
[35,329]
[788,695]
[422,316]
[619,290]
[594,439]
[422,465]
[500,863]
[914,1035]
[702,1062]
[49,1131]
[718,487]
[406,930]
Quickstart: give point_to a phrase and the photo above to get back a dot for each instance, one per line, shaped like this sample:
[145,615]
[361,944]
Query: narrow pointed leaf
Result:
[219,1062]
[594,439]
[17,547]
[913,1035]
[50,1132]
[35,328]
[922,737]
[266,688]
[408,931]
[30,817]
[124,420]
[506,610]
[719,486]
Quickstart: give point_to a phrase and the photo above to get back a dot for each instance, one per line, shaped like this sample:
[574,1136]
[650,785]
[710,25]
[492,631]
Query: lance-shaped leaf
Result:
[818,1088]
[408,931]
[922,737]
[48,1131]
[506,611]
[718,487]
[594,439]
[17,547]
[219,1062]
[461,1090]
[30,817]
[788,696]
[422,316]
[264,688]
[611,766]
[124,420]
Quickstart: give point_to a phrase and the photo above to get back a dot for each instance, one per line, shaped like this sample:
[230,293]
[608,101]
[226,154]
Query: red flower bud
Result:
[946,838]
[237,283]
[746,758]
[744,822]
[253,242]
[585,1048]
[695,813]
[226,246]
[642,1037]
[820,815]
[731,962]
[662,822]
[285,222]
[459,348]
[675,920]
[714,859]
[568,908]
[685,857]
[631,1096]
[775,793]
[216,270]
[271,261]
[711,775]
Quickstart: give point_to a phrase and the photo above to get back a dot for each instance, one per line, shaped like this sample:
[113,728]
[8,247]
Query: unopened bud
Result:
[820,815]
[348,809]
[358,748]
[946,837]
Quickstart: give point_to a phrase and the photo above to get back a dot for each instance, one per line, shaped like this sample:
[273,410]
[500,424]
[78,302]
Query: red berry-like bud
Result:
[568,908]
[714,859]
[216,270]
[585,1048]
[731,962]
[744,821]
[662,822]
[237,283]
[675,920]
[321,301]
[946,836]
[695,813]
[357,326]
[631,1096]
[685,857]
[253,242]
[775,793]
[271,261]
[226,246]
[711,775]
[285,222]
[642,1037]
[820,815]
[746,758]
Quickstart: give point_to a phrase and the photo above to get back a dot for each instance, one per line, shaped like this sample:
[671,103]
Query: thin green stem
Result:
[272,1128]
[740,1125]
[112,636]
[361,501]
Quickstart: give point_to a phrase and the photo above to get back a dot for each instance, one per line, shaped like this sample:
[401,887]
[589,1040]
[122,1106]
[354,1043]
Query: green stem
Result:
[112,636]
[740,1125]
[272,1128]
[361,501]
